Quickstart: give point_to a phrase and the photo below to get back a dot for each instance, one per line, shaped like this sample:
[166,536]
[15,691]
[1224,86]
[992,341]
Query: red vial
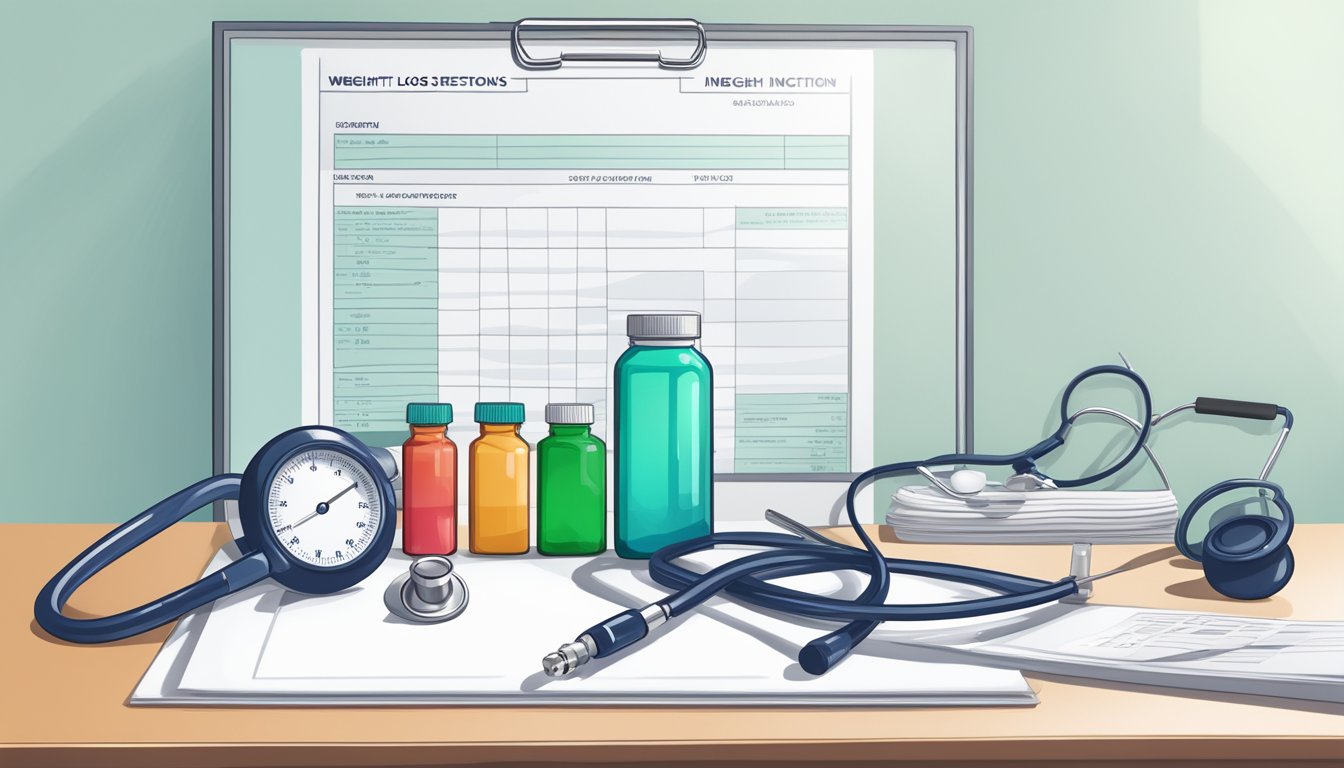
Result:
[429,484]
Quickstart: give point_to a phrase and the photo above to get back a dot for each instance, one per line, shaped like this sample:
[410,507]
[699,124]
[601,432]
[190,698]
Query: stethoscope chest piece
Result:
[1248,558]
[429,592]
[1245,555]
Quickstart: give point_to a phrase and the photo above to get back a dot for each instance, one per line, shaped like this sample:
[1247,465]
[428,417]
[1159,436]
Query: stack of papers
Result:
[267,646]
[1202,651]
[1047,516]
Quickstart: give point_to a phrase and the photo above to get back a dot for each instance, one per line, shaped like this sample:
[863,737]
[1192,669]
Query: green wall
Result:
[1161,178]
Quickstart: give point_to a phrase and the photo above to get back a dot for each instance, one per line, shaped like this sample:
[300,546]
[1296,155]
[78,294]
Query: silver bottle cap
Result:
[569,413]
[678,325]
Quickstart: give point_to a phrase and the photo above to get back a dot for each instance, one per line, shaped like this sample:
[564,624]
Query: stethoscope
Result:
[1244,556]
[318,515]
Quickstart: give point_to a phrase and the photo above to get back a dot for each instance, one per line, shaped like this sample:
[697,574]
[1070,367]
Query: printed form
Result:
[476,232]
[1184,649]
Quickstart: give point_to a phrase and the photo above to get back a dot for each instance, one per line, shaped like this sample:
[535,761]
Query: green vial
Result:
[572,484]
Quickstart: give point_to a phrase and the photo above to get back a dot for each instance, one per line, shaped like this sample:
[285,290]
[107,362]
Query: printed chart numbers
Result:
[802,432]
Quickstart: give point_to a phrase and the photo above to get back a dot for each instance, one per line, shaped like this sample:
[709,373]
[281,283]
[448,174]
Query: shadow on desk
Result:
[154,637]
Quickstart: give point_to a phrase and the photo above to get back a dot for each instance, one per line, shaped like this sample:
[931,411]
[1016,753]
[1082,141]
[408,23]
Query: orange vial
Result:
[429,488]
[499,477]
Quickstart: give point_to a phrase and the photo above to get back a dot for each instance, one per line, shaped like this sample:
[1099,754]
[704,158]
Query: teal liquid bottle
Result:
[664,450]
[571,484]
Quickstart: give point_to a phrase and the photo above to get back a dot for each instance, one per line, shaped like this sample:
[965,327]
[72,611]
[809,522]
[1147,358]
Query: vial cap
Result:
[429,414]
[499,413]
[672,325]
[569,413]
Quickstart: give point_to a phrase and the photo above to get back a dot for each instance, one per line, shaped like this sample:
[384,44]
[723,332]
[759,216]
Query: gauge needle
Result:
[333,499]
[323,507]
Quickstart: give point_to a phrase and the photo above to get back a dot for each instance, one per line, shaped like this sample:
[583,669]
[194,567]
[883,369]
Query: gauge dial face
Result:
[324,508]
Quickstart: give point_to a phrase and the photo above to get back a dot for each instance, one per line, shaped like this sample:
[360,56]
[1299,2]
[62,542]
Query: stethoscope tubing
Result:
[744,578]
[788,555]
[126,537]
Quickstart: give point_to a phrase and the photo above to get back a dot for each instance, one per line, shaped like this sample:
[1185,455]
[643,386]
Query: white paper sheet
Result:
[265,645]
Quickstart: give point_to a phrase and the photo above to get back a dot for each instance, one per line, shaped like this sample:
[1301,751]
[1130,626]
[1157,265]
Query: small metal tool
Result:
[1080,568]
[428,593]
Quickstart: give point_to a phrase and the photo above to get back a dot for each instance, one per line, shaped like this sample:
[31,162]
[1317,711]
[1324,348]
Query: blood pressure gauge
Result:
[336,530]
[317,514]
[319,504]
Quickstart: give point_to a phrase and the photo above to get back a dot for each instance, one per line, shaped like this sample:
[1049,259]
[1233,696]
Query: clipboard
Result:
[919,374]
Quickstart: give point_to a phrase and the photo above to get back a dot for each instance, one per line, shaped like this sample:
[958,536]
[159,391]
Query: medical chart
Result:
[473,231]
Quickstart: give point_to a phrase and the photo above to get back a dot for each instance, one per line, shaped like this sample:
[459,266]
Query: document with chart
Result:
[474,231]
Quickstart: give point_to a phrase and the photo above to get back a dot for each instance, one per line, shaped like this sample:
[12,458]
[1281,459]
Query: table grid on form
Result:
[528,303]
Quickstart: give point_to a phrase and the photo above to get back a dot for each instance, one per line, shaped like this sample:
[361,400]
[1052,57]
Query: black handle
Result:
[1237,409]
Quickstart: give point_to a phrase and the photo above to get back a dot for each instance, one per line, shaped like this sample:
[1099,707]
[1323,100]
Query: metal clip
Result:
[658,30]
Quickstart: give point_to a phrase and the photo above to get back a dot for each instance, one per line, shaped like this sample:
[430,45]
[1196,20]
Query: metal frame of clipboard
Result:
[595,40]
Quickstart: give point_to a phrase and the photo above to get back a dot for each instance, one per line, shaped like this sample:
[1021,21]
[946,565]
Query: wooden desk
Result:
[66,704]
